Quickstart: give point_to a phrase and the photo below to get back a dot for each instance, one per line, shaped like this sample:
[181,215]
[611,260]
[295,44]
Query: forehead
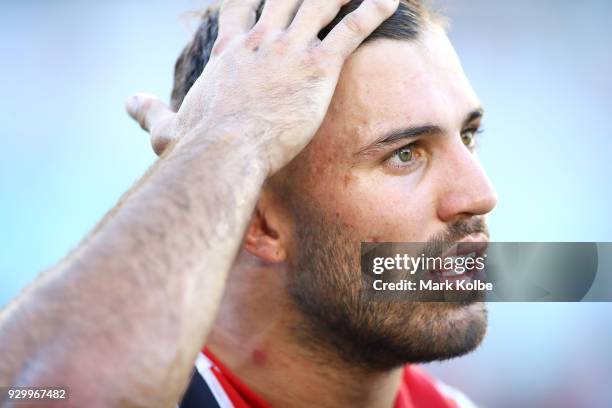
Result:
[388,84]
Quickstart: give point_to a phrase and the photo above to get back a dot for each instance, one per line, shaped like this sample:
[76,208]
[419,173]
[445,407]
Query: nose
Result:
[465,190]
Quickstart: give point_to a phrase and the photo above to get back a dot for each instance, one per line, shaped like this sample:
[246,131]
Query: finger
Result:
[236,17]
[278,14]
[313,16]
[148,111]
[160,142]
[358,25]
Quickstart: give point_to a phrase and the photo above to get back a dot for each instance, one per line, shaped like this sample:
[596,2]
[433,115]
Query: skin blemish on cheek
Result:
[259,357]
[347,179]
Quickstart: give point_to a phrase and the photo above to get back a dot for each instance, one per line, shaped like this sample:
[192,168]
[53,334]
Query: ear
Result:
[266,235]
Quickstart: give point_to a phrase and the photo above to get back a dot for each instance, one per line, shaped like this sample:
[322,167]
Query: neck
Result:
[252,337]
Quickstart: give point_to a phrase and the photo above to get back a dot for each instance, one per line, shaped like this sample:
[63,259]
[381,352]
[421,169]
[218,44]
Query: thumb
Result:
[148,110]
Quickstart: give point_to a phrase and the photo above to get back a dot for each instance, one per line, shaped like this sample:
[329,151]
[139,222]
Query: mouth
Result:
[464,260]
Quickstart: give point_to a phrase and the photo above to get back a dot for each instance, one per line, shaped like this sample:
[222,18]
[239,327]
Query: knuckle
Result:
[159,144]
[160,140]
[385,7]
[162,133]
[282,44]
[255,37]
[355,24]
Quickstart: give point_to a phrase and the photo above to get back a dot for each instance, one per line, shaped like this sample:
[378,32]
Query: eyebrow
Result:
[392,137]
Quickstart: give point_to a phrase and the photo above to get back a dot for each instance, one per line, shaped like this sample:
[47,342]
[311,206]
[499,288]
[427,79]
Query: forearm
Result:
[122,318]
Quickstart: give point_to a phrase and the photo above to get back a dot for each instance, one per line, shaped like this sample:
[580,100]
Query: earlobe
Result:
[263,239]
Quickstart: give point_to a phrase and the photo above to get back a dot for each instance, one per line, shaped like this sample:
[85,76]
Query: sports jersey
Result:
[214,386]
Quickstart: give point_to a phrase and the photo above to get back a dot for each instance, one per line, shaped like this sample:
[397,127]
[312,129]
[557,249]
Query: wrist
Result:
[227,144]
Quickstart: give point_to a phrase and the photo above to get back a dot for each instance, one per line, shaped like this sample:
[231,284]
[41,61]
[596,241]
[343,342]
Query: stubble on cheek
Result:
[325,285]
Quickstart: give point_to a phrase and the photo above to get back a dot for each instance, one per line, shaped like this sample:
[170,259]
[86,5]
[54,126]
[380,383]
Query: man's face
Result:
[393,161]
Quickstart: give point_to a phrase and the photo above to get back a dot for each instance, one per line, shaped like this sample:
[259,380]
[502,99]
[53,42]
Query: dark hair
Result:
[404,24]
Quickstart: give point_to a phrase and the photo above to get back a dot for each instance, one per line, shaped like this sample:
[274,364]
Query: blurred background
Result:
[542,69]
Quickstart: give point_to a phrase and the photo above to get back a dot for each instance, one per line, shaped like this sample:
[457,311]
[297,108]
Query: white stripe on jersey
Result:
[454,394]
[204,367]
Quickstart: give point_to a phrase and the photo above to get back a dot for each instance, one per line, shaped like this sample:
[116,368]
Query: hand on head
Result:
[270,80]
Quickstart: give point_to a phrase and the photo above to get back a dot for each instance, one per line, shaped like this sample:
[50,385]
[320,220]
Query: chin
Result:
[441,331]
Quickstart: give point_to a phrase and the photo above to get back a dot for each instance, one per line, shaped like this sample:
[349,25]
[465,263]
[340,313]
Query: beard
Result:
[337,322]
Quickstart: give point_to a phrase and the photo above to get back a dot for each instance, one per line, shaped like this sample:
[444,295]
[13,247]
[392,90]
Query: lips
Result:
[476,243]
[473,246]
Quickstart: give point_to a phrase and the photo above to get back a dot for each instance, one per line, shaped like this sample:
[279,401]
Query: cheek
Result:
[376,206]
[378,209]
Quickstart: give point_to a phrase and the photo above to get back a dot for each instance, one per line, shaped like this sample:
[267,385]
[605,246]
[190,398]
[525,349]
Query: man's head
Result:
[405,24]
[393,161]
